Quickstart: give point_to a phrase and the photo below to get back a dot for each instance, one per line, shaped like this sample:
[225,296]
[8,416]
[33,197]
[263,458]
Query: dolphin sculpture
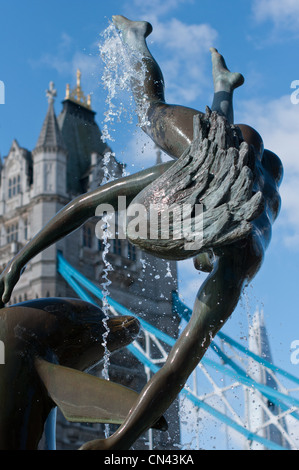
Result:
[48,344]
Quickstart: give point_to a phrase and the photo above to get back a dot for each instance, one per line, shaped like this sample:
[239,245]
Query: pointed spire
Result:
[258,320]
[256,403]
[50,136]
[51,93]
[258,338]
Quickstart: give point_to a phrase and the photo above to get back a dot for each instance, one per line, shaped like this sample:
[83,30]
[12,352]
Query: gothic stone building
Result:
[70,158]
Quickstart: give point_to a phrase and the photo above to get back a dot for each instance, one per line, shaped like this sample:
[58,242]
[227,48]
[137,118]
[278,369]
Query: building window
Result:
[131,252]
[87,236]
[12,233]
[18,184]
[14,186]
[116,247]
[26,229]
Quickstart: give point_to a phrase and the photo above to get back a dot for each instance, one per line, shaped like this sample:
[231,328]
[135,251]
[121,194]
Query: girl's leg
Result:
[170,126]
[225,83]
[133,35]
[215,302]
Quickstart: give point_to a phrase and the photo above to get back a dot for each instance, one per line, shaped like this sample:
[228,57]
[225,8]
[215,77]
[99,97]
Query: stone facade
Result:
[69,159]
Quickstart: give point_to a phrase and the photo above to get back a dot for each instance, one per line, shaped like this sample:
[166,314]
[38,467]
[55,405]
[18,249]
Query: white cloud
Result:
[278,123]
[67,59]
[150,9]
[283,14]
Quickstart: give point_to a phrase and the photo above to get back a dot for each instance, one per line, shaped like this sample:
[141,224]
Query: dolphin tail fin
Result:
[82,397]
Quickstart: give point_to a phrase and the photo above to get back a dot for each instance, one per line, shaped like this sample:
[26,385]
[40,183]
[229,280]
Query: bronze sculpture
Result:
[48,342]
[231,261]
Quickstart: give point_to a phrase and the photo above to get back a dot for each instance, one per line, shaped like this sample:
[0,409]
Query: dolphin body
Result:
[48,343]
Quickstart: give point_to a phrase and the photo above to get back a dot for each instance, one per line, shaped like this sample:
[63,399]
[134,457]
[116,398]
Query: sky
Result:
[42,42]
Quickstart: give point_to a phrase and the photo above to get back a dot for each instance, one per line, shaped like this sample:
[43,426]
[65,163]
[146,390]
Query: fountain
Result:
[218,166]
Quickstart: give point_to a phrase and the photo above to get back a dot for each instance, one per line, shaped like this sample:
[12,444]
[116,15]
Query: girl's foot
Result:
[224,80]
[133,32]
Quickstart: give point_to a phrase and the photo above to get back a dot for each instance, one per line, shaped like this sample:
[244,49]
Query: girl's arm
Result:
[71,217]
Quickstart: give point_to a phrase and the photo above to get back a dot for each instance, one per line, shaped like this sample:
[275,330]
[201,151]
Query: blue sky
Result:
[42,41]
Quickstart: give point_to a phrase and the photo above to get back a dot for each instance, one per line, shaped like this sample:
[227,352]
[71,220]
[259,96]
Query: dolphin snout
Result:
[126,328]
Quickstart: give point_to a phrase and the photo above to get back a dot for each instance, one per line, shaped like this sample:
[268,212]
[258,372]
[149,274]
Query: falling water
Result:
[107,268]
[105,279]
[123,71]
[119,75]
[168,270]
[105,285]
[105,305]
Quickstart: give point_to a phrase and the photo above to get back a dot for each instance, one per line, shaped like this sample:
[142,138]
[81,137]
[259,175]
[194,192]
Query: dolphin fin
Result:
[85,398]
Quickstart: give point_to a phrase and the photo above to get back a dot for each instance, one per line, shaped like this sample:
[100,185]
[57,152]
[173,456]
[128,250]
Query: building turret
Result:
[50,155]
